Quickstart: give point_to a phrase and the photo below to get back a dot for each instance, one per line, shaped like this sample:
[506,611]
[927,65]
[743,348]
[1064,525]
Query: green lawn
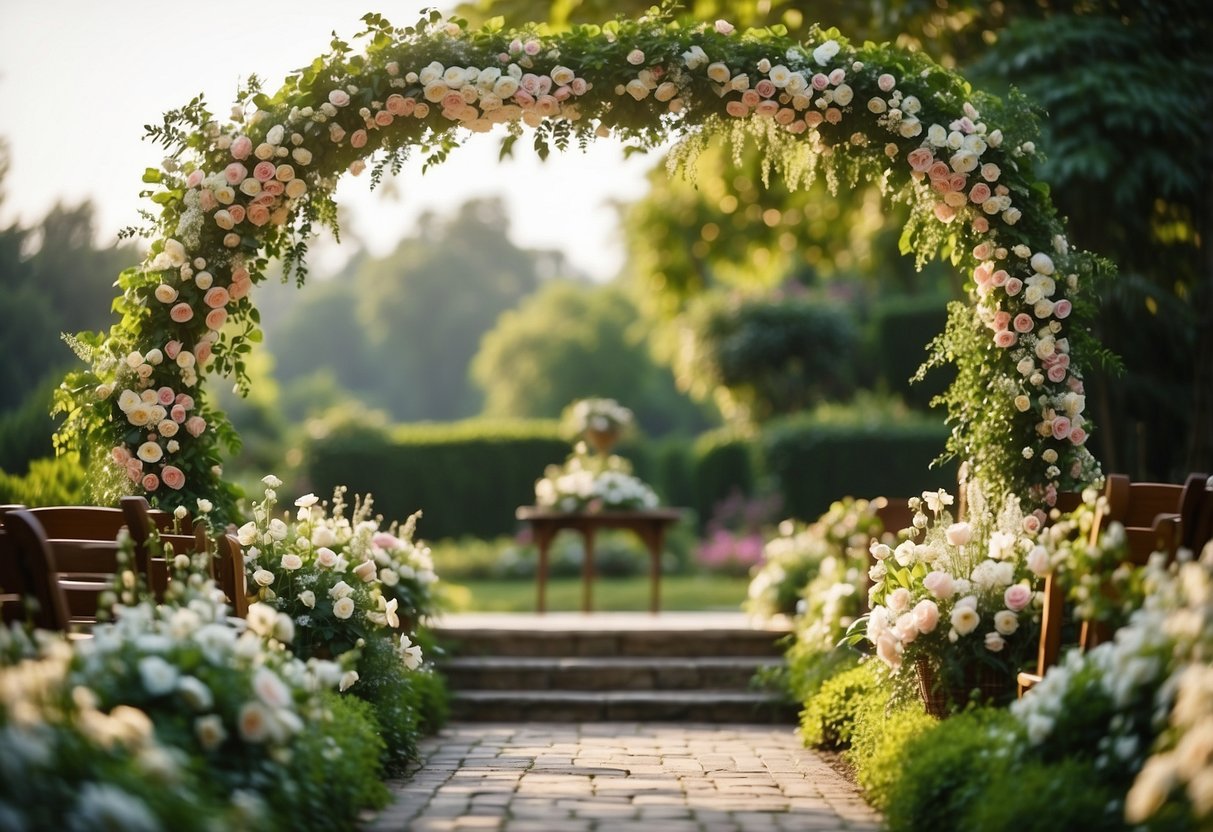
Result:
[678,592]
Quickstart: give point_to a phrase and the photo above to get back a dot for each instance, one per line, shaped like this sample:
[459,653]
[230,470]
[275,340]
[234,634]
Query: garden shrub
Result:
[898,332]
[829,716]
[949,769]
[809,667]
[333,770]
[399,698]
[53,481]
[722,462]
[467,478]
[25,433]
[878,744]
[1058,797]
[813,463]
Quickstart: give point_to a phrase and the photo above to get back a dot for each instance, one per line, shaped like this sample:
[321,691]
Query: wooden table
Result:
[649,525]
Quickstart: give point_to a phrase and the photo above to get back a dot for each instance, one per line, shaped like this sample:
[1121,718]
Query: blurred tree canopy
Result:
[574,340]
[1126,90]
[399,333]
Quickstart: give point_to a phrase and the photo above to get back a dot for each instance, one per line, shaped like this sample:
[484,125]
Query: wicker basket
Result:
[601,441]
[982,683]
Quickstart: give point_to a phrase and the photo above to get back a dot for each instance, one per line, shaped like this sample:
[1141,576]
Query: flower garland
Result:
[231,195]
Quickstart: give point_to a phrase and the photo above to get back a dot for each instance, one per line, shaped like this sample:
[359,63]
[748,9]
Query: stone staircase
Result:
[694,667]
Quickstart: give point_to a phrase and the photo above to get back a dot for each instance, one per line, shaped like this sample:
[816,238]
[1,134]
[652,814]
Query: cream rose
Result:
[343,607]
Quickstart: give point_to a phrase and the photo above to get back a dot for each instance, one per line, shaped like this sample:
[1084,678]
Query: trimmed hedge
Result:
[898,332]
[466,477]
[813,464]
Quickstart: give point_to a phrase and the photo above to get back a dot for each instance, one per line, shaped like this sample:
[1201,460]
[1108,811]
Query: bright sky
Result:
[80,78]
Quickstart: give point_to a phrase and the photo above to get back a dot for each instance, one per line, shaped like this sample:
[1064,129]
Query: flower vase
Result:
[602,441]
[982,684]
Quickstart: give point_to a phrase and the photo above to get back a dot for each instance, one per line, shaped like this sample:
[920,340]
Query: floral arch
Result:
[236,193]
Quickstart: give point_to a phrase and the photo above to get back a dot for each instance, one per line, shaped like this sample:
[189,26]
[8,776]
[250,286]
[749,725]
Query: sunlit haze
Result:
[79,79]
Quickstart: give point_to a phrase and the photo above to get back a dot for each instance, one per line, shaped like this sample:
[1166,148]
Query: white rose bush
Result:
[588,482]
[956,602]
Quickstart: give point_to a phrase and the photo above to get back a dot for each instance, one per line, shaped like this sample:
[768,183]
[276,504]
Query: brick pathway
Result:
[630,777]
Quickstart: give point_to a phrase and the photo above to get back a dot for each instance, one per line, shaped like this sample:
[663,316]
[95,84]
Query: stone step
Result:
[712,706]
[603,673]
[584,643]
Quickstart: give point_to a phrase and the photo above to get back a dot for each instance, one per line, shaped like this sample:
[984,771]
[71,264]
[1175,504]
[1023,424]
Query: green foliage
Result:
[466,478]
[1068,795]
[831,713]
[25,432]
[402,700]
[897,334]
[814,462]
[53,481]
[761,358]
[878,743]
[809,667]
[333,771]
[723,463]
[949,769]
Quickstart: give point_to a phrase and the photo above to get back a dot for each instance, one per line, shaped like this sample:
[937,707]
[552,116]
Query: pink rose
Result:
[563,93]
[820,81]
[723,27]
[207,201]
[385,540]
[202,352]
[1078,436]
[215,319]
[240,289]
[339,98]
[940,584]
[258,215]
[240,273]
[524,99]
[982,274]
[958,534]
[1000,277]
[736,109]
[1002,320]
[979,193]
[1023,322]
[1056,374]
[165,396]
[194,179]
[264,171]
[983,251]
[1031,524]
[235,173]
[242,146]
[134,469]
[926,615]
[185,400]
[921,159]
[173,477]
[750,98]
[957,182]
[215,297]
[1005,339]
[150,482]
[1062,309]
[358,139]
[1017,597]
[939,170]
[1061,427]
[532,47]
[944,212]
[384,119]
[814,118]
[767,108]
[765,88]
[181,313]
[981,225]
[886,82]
[273,188]
[834,115]
[1014,286]
[177,413]
[395,104]
[579,86]
[195,425]
[120,455]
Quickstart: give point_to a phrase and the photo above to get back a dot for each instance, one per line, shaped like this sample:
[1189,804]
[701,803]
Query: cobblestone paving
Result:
[672,777]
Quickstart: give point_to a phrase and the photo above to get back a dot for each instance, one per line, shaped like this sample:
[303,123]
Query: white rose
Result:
[366,570]
[719,72]
[292,562]
[263,577]
[150,452]
[343,607]
[348,679]
[308,599]
[341,590]
[1006,622]
[965,618]
[822,54]
[994,642]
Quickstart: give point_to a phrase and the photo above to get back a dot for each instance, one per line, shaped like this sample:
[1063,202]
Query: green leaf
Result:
[152,175]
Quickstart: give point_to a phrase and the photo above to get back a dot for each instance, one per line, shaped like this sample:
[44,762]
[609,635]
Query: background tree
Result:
[574,340]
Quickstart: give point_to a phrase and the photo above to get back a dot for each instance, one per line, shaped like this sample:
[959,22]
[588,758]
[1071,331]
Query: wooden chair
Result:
[230,574]
[14,586]
[1150,514]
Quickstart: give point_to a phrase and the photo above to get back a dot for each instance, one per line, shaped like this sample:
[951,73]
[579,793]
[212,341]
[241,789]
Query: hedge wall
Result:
[897,335]
[466,477]
[814,464]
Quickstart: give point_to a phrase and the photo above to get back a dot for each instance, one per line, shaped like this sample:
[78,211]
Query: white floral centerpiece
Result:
[590,483]
[957,603]
[601,422]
